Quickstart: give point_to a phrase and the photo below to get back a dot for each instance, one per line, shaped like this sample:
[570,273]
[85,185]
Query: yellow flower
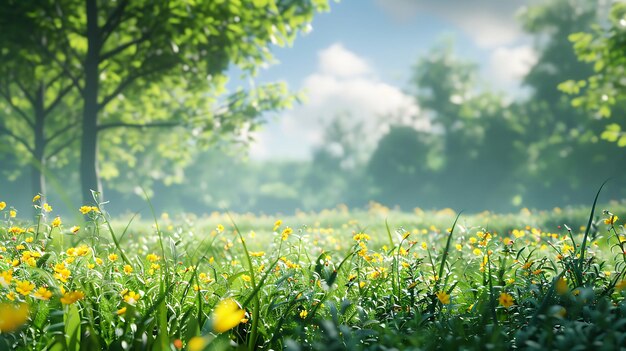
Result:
[30,239]
[87,209]
[459,247]
[257,254]
[505,300]
[286,232]
[443,297]
[24,287]
[6,277]
[74,229]
[220,228]
[12,316]
[98,261]
[2,205]
[43,294]
[47,207]
[277,224]
[128,269]
[36,198]
[13,213]
[561,286]
[477,252]
[246,278]
[112,257]
[152,257]
[121,311]
[56,222]
[621,285]
[71,297]
[361,237]
[16,230]
[227,315]
[424,245]
[611,220]
[197,343]
[131,297]
[303,314]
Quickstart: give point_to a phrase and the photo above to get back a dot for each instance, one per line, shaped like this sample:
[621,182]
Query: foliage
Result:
[602,92]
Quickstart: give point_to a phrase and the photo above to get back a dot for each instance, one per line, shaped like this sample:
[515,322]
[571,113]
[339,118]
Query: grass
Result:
[372,279]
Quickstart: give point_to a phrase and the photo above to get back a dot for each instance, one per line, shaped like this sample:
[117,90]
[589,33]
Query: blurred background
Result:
[469,104]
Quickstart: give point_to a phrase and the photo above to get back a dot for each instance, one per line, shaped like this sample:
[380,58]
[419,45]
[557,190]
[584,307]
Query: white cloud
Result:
[507,66]
[490,23]
[339,62]
[343,83]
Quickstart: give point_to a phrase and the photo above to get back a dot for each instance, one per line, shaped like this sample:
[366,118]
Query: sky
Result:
[357,60]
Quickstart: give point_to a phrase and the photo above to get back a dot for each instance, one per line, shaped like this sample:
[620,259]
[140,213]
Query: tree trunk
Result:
[89,142]
[39,162]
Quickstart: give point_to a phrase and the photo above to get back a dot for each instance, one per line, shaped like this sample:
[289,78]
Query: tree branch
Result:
[61,147]
[64,67]
[62,131]
[4,130]
[123,47]
[58,99]
[138,125]
[128,81]
[113,20]
[20,112]
[25,91]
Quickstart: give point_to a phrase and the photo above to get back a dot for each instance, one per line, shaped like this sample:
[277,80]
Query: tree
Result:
[175,52]
[36,102]
[559,133]
[603,91]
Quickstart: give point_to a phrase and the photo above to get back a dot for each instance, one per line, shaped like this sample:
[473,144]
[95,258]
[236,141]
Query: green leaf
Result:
[611,133]
[260,3]
[72,328]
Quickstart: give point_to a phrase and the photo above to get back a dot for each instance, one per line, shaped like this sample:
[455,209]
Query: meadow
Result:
[372,279]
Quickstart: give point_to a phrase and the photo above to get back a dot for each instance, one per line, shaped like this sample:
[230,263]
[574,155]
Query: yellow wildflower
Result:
[12,213]
[24,287]
[443,297]
[277,224]
[286,232]
[112,257]
[128,269]
[43,294]
[561,286]
[197,343]
[227,315]
[12,316]
[71,297]
[36,198]
[152,257]
[505,300]
[131,298]
[611,220]
[74,229]
[2,205]
[121,311]
[303,314]
[56,222]
[47,207]
[6,277]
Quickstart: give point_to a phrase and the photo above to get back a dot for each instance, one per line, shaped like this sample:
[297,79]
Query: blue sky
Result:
[357,60]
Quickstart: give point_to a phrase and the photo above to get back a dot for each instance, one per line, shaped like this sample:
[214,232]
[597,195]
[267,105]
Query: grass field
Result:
[373,279]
